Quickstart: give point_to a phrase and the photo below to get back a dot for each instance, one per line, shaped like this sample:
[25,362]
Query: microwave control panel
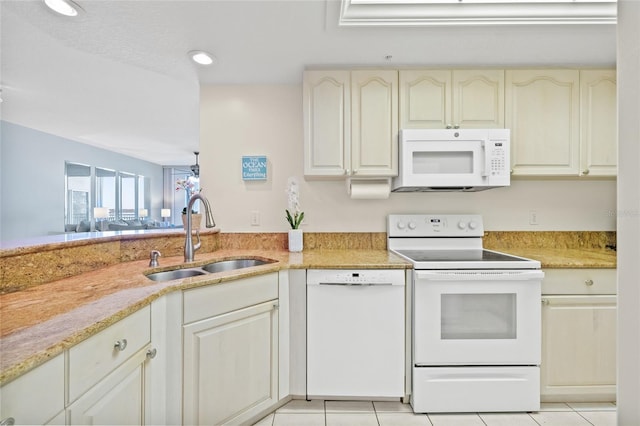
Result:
[497,166]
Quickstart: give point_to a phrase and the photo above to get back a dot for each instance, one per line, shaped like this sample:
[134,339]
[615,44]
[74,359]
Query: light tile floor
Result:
[367,413]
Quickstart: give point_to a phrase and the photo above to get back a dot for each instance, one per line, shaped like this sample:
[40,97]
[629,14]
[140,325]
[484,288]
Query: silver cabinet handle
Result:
[151,353]
[545,302]
[448,126]
[9,421]
[585,172]
[588,282]
[120,345]
[456,126]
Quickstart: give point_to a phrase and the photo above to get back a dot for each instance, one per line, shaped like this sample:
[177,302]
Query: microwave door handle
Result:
[487,160]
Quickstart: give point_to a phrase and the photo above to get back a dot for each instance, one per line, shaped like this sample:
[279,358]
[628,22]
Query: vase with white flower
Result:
[190,188]
[294,216]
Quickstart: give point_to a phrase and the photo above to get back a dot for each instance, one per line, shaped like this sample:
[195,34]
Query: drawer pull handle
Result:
[9,421]
[151,353]
[120,345]
[588,282]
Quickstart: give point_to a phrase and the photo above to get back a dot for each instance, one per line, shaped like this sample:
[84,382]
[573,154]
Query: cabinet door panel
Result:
[478,99]
[326,109]
[579,348]
[425,99]
[231,365]
[374,131]
[94,358]
[599,122]
[116,400]
[35,397]
[542,111]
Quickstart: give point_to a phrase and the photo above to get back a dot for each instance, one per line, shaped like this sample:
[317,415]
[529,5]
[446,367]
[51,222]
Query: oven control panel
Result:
[434,225]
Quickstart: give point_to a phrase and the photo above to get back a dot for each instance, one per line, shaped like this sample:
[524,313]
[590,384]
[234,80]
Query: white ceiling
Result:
[119,77]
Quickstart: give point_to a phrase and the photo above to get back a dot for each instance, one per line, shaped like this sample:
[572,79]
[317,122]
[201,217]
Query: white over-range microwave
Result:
[452,160]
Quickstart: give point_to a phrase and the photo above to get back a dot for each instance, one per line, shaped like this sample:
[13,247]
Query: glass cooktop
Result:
[457,256]
[466,259]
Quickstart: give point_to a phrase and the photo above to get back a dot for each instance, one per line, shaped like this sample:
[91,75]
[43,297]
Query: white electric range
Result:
[476,332]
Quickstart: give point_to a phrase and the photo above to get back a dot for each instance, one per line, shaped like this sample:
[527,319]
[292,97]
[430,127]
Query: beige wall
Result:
[629,213]
[267,120]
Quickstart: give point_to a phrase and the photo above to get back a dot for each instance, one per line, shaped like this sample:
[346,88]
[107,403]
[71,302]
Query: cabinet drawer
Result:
[37,396]
[94,358]
[579,281]
[205,302]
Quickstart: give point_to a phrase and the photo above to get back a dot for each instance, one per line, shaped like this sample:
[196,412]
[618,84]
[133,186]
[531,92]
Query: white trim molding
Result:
[475,12]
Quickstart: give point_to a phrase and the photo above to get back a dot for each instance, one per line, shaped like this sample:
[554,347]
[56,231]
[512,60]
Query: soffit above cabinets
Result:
[475,12]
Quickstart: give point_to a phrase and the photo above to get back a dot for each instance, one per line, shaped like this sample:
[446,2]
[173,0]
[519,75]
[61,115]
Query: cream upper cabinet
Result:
[326,116]
[598,123]
[451,99]
[578,335]
[374,123]
[543,112]
[350,123]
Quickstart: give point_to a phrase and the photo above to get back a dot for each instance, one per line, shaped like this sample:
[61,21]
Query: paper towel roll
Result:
[369,189]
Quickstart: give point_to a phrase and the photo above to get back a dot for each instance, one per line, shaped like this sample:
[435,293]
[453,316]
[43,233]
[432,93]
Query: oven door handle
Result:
[506,275]
[354,284]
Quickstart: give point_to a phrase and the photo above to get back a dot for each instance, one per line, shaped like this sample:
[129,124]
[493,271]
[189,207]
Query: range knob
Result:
[473,225]
[462,225]
[400,225]
[412,225]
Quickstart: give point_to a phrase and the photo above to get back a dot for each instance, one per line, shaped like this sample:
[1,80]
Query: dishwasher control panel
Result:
[355,277]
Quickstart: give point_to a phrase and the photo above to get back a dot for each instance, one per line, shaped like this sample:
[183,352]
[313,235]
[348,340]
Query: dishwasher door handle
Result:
[355,284]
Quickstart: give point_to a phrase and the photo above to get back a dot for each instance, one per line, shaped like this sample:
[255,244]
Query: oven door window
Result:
[478,316]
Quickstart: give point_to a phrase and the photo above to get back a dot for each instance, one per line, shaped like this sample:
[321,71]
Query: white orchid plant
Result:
[189,186]
[294,215]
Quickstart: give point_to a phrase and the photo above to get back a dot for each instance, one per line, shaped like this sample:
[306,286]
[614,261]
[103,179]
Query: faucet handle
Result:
[154,255]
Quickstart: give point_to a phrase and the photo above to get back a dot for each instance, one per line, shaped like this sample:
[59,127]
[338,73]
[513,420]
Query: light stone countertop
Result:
[41,322]
[567,258]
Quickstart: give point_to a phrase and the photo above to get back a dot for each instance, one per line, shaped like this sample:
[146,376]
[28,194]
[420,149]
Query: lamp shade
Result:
[144,212]
[100,212]
[165,212]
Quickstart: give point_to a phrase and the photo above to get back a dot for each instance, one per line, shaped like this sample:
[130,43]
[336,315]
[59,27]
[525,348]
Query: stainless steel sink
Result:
[175,274]
[229,265]
[209,268]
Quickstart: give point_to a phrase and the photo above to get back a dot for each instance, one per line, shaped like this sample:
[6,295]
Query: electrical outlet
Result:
[533,217]
[255,218]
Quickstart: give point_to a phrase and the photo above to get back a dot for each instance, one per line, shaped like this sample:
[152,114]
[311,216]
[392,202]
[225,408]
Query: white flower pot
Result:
[295,240]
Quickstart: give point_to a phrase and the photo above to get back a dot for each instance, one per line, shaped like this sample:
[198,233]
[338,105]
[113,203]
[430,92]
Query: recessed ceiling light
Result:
[201,57]
[63,7]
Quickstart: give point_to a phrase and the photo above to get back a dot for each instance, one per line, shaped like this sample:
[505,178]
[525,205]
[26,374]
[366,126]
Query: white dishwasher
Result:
[355,333]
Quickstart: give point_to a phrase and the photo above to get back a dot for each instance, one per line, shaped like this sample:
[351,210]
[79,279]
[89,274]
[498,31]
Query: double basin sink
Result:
[209,268]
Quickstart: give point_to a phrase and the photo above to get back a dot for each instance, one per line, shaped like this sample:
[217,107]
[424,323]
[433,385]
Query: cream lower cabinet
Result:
[578,336]
[118,399]
[37,397]
[230,351]
[106,373]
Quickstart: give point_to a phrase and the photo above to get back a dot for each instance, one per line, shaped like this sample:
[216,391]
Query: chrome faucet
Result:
[189,247]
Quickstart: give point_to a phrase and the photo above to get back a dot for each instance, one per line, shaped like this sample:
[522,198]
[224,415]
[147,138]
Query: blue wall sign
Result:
[254,167]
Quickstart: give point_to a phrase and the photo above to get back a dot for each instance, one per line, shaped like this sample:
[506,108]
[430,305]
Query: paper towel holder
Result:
[369,188]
